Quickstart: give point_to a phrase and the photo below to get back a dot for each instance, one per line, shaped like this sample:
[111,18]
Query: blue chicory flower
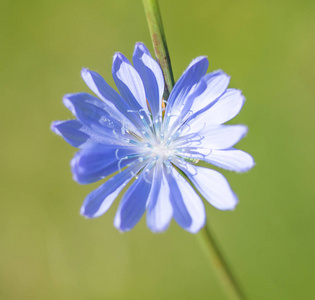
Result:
[134,134]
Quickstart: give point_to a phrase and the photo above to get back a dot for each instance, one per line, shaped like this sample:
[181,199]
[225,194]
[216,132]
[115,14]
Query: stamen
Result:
[173,137]
[124,128]
[192,154]
[150,115]
[180,162]
[116,153]
[184,125]
[148,132]
[120,161]
[134,135]
[166,121]
[147,170]
[120,137]
[179,122]
[187,140]
[143,120]
[128,140]
[139,155]
[168,166]
[157,127]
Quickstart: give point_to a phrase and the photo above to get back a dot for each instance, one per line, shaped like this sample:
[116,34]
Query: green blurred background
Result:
[48,251]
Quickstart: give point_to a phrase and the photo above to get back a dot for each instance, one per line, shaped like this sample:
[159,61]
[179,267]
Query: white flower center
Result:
[161,150]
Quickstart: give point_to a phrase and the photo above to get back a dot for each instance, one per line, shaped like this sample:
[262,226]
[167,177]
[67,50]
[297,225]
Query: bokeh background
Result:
[48,251]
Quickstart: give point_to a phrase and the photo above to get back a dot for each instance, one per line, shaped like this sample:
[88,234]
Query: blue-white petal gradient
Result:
[148,145]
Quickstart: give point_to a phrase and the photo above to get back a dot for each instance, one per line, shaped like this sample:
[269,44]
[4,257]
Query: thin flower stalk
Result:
[156,29]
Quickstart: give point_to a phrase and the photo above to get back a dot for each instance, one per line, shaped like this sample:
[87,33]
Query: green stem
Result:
[155,24]
[212,250]
[224,274]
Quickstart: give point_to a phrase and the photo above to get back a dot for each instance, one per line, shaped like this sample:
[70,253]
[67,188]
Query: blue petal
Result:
[133,204]
[152,77]
[78,135]
[231,159]
[176,116]
[223,110]
[214,137]
[160,211]
[96,115]
[101,88]
[226,108]
[92,164]
[222,136]
[217,82]
[90,109]
[192,75]
[212,185]
[201,96]
[100,200]
[129,83]
[188,209]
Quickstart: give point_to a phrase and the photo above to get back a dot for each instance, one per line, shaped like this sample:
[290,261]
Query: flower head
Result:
[137,134]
